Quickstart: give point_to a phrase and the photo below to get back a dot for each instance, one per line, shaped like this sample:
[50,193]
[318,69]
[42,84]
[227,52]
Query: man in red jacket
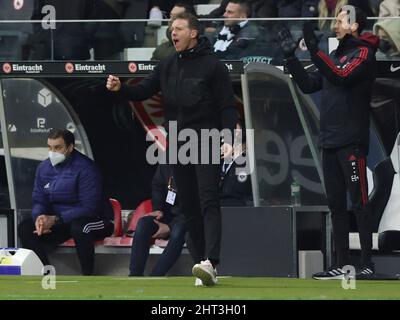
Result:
[345,77]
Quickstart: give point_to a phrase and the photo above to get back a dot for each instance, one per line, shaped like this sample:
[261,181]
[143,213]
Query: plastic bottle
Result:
[295,192]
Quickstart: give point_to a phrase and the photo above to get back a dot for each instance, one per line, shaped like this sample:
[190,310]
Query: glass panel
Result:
[281,150]
[32,108]
[4,196]
[13,35]
[137,39]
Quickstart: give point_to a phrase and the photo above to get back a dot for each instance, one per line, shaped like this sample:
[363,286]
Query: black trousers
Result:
[84,232]
[345,171]
[198,190]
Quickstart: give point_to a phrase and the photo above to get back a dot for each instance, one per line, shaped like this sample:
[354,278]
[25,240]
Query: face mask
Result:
[56,157]
[384,45]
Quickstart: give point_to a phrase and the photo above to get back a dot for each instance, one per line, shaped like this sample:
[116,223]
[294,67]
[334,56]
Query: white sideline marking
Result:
[57,281]
[141,278]
[158,278]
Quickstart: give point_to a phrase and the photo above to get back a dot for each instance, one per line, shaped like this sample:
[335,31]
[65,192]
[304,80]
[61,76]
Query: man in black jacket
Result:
[345,77]
[197,94]
[237,34]
[165,222]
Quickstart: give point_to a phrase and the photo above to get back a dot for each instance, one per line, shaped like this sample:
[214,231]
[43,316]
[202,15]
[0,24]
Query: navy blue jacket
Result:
[346,77]
[72,189]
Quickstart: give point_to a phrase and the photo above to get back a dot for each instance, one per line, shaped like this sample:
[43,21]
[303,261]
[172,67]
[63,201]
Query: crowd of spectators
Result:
[107,40]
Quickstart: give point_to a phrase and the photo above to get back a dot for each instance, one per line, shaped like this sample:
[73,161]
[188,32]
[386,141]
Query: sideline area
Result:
[182,288]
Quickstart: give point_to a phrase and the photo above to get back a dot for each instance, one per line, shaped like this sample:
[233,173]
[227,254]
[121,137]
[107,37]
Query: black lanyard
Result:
[170,185]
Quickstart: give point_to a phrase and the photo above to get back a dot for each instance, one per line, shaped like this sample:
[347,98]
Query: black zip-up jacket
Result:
[196,89]
[346,77]
[162,180]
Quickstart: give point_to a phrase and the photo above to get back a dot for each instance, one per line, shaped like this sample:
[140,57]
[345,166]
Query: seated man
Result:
[165,222]
[67,201]
[237,34]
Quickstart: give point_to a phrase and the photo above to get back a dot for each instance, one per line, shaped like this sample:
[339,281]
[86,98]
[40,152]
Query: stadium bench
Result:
[117,225]
[118,239]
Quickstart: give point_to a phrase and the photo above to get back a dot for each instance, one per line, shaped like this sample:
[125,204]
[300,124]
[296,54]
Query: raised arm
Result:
[138,92]
[308,82]
[359,67]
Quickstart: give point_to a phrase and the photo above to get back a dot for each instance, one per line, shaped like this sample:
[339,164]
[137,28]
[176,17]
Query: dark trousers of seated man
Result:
[84,231]
[141,245]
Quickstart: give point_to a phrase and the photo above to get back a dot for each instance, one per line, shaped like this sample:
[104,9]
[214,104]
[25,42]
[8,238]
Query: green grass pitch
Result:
[182,288]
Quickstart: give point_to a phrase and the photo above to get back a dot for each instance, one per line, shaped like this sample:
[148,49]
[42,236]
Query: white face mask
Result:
[56,157]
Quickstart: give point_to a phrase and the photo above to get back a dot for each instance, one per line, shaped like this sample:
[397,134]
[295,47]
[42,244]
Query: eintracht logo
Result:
[242,177]
[69,67]
[132,67]
[7,68]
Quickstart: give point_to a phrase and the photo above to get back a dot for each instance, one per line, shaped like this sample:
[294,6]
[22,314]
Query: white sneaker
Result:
[198,282]
[155,17]
[205,272]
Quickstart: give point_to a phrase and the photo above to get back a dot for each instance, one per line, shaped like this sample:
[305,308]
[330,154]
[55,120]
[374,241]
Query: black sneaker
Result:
[331,274]
[366,273]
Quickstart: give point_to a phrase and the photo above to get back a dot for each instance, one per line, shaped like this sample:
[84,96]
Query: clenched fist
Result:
[113,83]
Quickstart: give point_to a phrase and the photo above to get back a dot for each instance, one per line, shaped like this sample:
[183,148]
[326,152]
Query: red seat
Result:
[117,225]
[68,243]
[71,243]
[123,241]
[142,209]
[117,217]
[126,240]
[118,239]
